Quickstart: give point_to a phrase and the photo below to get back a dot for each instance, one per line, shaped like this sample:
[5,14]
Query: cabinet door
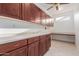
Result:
[42,45]
[43,18]
[0,9]
[30,12]
[48,41]
[18,52]
[42,48]
[33,49]
[11,10]
[26,11]
[35,13]
[12,46]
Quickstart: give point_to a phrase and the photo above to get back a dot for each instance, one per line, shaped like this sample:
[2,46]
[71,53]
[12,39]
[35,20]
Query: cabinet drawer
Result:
[31,40]
[17,52]
[12,45]
[33,49]
[42,48]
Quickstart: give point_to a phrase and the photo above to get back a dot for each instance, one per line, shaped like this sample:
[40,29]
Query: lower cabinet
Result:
[18,52]
[42,48]
[33,49]
[48,42]
[35,46]
[44,45]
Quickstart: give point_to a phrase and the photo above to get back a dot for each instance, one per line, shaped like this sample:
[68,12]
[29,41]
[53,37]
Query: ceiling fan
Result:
[56,5]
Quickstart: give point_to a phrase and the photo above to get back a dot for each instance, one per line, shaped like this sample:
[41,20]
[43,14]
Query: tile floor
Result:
[59,48]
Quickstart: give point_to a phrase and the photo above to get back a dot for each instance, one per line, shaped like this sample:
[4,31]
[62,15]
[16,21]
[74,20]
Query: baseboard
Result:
[69,34]
[63,41]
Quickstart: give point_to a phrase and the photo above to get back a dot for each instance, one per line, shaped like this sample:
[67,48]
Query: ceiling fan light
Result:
[57,7]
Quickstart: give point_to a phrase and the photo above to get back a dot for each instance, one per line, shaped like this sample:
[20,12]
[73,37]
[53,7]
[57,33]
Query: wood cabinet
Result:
[33,49]
[48,41]
[0,8]
[23,11]
[45,43]
[11,10]
[33,39]
[35,46]
[42,46]
[35,13]
[18,52]
[26,12]
[31,13]
[13,48]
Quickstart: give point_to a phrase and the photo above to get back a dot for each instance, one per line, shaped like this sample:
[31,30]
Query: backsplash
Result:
[6,22]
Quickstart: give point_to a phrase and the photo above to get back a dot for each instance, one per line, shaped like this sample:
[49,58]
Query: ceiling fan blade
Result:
[57,6]
[50,7]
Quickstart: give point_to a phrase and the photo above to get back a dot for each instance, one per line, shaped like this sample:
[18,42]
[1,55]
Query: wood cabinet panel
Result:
[33,49]
[48,41]
[45,43]
[18,52]
[43,18]
[26,12]
[35,46]
[23,11]
[35,12]
[31,13]
[33,39]
[12,46]
[42,48]
[42,45]
[11,10]
[0,9]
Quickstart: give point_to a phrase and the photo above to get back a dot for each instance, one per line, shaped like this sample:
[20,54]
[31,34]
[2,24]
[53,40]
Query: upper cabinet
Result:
[0,8]
[24,11]
[36,13]
[11,10]
[30,12]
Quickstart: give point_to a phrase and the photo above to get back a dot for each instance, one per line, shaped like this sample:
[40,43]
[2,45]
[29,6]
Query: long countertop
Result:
[24,35]
[36,30]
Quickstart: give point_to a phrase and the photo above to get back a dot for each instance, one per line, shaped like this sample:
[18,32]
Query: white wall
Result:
[64,23]
[76,21]
[65,38]
[64,20]
[67,25]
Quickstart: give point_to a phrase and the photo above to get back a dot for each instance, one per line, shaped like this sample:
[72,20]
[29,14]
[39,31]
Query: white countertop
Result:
[24,35]
[34,30]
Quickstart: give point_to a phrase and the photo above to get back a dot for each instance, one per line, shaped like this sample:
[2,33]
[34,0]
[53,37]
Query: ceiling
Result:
[53,13]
